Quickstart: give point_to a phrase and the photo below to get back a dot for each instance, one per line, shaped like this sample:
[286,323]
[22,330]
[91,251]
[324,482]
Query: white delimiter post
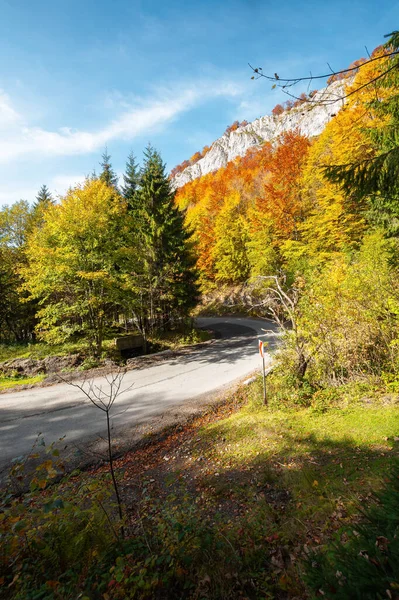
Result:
[263,371]
[264,382]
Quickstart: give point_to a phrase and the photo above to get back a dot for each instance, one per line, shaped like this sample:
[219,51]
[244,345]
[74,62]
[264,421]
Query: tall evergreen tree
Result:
[108,175]
[168,264]
[43,202]
[131,179]
[43,198]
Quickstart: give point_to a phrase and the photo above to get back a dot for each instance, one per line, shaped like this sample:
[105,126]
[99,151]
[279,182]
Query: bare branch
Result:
[284,83]
[282,80]
[104,400]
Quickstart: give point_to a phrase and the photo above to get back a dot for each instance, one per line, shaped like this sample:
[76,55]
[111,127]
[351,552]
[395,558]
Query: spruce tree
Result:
[43,202]
[167,258]
[108,175]
[130,183]
[43,198]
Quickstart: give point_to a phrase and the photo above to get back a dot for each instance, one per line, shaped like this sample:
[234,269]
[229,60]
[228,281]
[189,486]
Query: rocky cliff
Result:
[310,118]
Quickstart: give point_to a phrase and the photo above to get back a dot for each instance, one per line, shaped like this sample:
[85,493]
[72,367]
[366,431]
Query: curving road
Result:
[174,382]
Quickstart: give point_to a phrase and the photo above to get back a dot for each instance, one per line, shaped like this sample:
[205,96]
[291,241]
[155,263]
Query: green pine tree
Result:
[130,182]
[108,175]
[44,201]
[167,258]
[43,198]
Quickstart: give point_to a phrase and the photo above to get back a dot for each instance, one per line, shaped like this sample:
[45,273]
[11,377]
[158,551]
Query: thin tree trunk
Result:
[111,465]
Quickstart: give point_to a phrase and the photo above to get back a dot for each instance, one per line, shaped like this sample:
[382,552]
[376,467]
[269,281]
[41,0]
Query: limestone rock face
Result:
[310,118]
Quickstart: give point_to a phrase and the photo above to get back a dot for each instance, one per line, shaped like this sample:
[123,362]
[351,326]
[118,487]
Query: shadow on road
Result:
[149,398]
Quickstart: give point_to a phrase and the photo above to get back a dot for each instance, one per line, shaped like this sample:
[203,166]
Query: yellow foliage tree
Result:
[231,238]
[335,221]
[73,261]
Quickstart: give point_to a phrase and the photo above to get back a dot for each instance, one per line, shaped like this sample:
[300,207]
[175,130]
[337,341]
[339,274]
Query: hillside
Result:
[258,201]
[309,117]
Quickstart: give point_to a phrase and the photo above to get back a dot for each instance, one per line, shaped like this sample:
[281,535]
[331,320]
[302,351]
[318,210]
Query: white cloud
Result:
[17,138]
[251,109]
[8,116]
[11,193]
[58,186]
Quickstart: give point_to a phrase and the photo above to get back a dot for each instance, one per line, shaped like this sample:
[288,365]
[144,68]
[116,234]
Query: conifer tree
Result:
[43,198]
[108,175]
[43,201]
[167,259]
[130,182]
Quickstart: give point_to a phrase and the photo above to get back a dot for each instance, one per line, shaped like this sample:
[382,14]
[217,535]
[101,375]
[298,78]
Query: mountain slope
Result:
[310,118]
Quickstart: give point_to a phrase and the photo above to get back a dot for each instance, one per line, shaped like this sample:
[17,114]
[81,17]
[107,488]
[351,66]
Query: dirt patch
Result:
[163,459]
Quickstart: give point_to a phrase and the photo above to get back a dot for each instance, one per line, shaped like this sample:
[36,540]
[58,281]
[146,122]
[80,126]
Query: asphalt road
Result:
[149,390]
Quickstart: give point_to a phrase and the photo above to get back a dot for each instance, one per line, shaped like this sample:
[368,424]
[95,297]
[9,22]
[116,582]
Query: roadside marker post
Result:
[261,352]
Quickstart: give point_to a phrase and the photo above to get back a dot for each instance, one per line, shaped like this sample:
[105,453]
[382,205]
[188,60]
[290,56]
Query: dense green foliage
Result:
[164,279]
[108,175]
[17,314]
[131,179]
[97,260]
[366,565]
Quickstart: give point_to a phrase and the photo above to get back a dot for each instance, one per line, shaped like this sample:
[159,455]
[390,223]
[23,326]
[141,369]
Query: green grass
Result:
[40,350]
[169,339]
[176,338]
[344,450]
[10,382]
[292,474]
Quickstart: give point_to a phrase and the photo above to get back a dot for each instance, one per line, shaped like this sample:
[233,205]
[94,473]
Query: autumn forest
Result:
[282,486]
[320,215]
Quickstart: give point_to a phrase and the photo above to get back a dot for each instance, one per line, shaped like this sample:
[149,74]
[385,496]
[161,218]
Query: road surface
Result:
[150,390]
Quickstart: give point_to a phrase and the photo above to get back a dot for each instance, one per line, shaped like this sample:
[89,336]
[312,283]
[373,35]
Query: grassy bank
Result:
[11,382]
[162,341]
[227,507]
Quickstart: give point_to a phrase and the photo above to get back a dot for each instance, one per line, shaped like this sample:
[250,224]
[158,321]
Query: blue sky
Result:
[76,76]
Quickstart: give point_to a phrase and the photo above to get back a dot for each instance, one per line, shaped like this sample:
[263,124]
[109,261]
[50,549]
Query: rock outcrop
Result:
[310,118]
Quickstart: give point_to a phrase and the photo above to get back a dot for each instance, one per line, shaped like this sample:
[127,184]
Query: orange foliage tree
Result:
[249,198]
[278,110]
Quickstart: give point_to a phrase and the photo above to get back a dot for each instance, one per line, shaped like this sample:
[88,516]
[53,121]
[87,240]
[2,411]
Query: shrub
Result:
[182,555]
[278,110]
[366,565]
[51,538]
[343,318]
